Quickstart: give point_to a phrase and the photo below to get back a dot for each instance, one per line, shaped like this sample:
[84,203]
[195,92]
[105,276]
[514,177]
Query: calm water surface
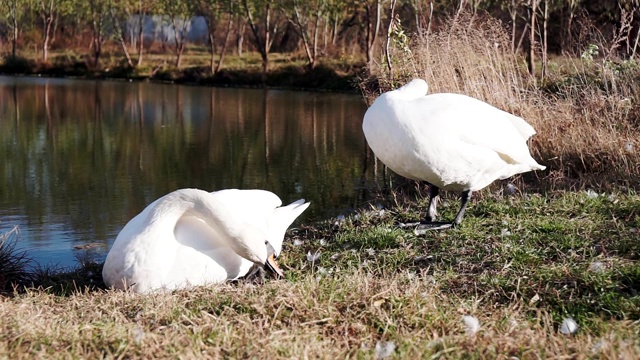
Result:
[81,158]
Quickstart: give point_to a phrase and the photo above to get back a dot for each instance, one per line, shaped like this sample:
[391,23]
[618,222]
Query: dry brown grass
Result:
[520,264]
[585,112]
[340,317]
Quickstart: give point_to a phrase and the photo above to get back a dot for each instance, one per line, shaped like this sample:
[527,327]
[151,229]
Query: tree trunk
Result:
[325,35]
[545,47]
[564,40]
[120,35]
[316,26]
[179,50]
[392,9]
[635,44]
[302,32]
[262,45]
[97,50]
[141,15]
[240,36]
[532,38]
[47,22]
[125,50]
[513,12]
[373,26]
[224,44]
[212,49]
[14,40]
[178,37]
[334,30]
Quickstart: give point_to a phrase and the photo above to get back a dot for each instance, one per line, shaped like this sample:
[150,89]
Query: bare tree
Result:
[372,14]
[125,14]
[47,11]
[178,13]
[392,19]
[531,54]
[14,12]
[143,7]
[262,35]
[97,13]
[572,7]
[545,45]
[241,25]
[119,16]
[303,15]
[213,12]
[512,8]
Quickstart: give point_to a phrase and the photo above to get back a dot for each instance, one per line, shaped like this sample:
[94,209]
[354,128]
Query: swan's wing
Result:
[201,248]
[477,123]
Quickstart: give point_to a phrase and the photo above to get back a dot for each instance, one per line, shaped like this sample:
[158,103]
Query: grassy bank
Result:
[286,71]
[520,264]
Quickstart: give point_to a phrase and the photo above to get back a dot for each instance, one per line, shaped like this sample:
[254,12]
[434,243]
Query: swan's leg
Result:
[434,196]
[429,223]
[432,212]
[464,199]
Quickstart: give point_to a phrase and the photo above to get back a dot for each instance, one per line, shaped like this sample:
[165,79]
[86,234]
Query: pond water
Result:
[80,158]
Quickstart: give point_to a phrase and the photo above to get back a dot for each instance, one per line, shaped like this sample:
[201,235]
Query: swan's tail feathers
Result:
[283,217]
[299,202]
[294,210]
[539,167]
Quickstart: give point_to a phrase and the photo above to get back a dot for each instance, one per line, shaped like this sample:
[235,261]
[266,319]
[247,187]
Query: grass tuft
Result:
[14,263]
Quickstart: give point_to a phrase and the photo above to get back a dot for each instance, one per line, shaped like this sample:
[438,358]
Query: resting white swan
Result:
[192,237]
[452,141]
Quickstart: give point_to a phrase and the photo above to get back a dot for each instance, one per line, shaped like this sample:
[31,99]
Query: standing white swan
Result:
[452,141]
[192,237]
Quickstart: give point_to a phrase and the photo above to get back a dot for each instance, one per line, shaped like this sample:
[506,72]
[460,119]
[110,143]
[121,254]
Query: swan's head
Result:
[271,263]
[251,245]
[413,89]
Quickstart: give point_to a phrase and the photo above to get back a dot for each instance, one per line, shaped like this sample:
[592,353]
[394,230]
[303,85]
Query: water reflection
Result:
[82,157]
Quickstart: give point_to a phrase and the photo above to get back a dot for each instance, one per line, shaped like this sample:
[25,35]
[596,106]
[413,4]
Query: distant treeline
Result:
[311,28]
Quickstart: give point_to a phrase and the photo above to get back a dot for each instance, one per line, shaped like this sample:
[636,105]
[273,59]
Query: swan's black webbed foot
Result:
[435,225]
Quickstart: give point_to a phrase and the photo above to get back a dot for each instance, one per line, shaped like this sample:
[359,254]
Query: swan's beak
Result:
[271,263]
[273,266]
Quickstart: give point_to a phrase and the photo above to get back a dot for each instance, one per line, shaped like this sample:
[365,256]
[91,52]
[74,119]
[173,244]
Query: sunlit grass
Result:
[519,264]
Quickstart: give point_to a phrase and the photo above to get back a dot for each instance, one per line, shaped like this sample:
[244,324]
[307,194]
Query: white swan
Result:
[192,237]
[452,141]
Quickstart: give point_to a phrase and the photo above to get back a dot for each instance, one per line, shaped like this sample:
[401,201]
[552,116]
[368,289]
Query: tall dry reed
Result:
[586,112]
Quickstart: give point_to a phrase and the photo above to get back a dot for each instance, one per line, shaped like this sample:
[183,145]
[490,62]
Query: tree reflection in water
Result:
[82,157]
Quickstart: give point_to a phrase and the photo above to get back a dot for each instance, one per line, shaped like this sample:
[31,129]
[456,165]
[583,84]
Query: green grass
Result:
[520,264]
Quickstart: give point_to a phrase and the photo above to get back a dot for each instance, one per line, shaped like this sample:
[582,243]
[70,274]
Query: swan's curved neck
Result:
[229,228]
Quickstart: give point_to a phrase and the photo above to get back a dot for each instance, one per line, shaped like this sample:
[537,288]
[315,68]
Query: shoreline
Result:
[322,78]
